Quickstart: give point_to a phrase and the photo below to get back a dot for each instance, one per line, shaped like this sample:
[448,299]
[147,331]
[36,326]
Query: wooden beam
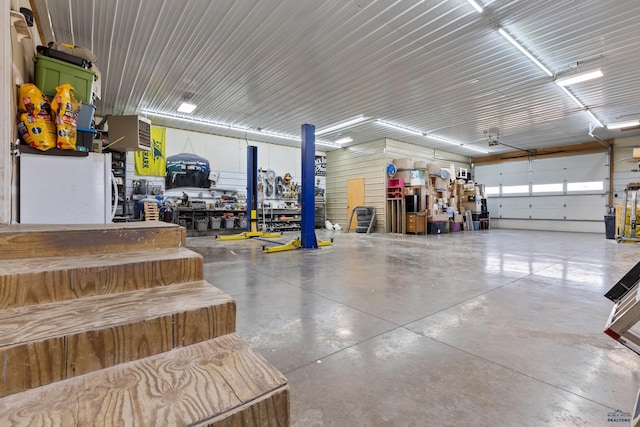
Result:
[541,153]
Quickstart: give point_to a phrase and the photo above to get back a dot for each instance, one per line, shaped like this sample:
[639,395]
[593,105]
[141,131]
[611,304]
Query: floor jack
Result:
[253,233]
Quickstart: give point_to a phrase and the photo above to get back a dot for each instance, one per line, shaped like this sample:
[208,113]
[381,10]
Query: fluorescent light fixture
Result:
[187,107]
[480,150]
[344,140]
[513,41]
[236,128]
[578,78]
[620,125]
[427,135]
[441,139]
[398,127]
[341,125]
[475,5]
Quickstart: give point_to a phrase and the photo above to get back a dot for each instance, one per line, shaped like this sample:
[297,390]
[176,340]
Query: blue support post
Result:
[308,237]
[252,187]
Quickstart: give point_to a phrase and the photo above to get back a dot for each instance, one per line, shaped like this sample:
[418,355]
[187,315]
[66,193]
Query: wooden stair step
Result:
[220,382]
[45,343]
[38,241]
[42,280]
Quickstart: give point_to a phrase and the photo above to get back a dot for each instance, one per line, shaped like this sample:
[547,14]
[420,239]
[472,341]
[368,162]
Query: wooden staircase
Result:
[114,325]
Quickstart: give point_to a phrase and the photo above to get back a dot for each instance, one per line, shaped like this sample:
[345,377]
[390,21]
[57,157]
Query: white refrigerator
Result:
[66,189]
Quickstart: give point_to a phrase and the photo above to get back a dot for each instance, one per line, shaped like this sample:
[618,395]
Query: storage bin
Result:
[242,223]
[85,116]
[476,225]
[52,72]
[436,227]
[214,223]
[201,224]
[84,140]
[455,226]
[229,222]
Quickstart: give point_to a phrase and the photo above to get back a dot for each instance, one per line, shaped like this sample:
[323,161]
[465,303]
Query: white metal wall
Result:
[562,209]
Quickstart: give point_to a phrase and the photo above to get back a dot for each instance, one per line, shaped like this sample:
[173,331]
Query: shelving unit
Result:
[279,219]
[198,221]
[119,169]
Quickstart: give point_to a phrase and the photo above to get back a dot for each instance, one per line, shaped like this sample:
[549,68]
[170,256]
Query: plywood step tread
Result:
[41,280]
[34,241]
[216,382]
[44,343]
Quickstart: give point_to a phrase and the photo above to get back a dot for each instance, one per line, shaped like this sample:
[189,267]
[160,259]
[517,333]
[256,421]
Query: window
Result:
[585,186]
[492,191]
[547,188]
[515,189]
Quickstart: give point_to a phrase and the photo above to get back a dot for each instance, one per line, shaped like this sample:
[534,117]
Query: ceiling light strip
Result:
[236,128]
[521,48]
[344,140]
[401,128]
[427,135]
[480,150]
[475,5]
[342,125]
[579,78]
[626,124]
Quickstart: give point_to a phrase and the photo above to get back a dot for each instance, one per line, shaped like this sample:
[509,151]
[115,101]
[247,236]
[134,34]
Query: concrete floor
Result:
[488,328]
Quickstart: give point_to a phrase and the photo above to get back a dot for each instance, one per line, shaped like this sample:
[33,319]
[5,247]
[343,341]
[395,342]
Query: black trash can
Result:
[610,226]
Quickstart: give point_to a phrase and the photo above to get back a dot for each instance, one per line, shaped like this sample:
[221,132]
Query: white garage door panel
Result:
[514,207]
[545,210]
[587,207]
[493,206]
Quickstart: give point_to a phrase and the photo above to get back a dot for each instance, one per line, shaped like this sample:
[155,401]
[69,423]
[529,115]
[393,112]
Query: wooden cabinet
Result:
[416,223]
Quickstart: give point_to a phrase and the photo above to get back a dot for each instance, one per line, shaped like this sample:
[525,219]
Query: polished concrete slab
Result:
[493,327]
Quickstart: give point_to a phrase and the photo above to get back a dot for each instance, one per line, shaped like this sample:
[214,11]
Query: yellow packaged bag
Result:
[33,101]
[65,109]
[38,132]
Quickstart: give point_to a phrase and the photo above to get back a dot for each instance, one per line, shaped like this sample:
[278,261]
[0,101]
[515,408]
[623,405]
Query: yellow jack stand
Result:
[253,233]
[294,244]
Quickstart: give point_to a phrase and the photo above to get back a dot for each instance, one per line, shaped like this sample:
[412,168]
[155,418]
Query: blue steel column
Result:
[308,238]
[252,184]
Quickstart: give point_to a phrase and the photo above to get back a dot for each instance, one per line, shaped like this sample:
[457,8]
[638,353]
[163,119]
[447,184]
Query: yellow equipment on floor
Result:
[293,244]
[253,233]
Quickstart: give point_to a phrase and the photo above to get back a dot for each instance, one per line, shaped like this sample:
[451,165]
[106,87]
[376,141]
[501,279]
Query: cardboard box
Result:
[419,164]
[404,175]
[433,169]
[440,217]
[471,206]
[405,163]
[441,184]
[457,218]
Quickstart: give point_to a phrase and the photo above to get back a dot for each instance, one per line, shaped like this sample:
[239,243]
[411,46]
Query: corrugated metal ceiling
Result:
[438,67]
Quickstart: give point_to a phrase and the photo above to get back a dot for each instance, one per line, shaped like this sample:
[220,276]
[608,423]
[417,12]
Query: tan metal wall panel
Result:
[361,161]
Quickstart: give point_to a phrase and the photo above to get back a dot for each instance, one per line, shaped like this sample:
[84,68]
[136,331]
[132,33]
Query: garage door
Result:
[562,193]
